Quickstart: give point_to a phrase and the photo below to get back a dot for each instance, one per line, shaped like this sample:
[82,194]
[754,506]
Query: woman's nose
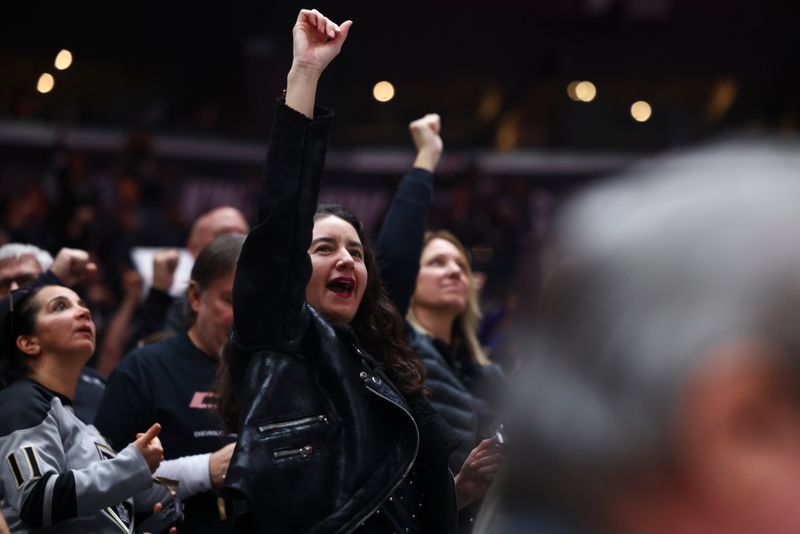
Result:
[83,312]
[345,260]
[453,269]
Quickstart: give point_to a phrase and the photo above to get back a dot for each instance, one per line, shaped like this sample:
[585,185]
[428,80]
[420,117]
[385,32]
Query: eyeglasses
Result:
[20,280]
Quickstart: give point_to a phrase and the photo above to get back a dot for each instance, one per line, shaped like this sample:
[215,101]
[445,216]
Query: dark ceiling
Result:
[496,71]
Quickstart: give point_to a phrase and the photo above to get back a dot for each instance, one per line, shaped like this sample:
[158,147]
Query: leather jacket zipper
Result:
[303,452]
[295,422]
[408,468]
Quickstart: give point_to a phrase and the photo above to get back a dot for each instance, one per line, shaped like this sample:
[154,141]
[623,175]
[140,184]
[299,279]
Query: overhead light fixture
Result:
[585,91]
[63,60]
[641,111]
[46,83]
[383,91]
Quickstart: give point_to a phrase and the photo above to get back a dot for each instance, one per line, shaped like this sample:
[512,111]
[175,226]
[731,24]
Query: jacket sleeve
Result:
[399,243]
[44,491]
[274,267]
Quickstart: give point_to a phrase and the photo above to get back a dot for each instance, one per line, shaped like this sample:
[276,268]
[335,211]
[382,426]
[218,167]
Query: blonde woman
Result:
[428,275]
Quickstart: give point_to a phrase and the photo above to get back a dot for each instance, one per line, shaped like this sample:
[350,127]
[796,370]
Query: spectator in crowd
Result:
[171,382]
[429,277]
[22,264]
[329,393]
[59,474]
[212,224]
[663,394]
[161,311]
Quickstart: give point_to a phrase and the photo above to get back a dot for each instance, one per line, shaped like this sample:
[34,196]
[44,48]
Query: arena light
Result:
[46,83]
[585,91]
[571,90]
[641,111]
[383,91]
[63,60]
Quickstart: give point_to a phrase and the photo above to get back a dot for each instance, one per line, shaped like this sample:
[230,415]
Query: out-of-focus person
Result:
[663,392]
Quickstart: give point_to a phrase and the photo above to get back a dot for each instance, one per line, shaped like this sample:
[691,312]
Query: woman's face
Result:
[63,323]
[442,281]
[339,274]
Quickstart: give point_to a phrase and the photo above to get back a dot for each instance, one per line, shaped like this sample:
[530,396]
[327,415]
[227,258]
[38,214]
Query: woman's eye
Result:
[59,306]
[356,254]
[323,248]
[438,262]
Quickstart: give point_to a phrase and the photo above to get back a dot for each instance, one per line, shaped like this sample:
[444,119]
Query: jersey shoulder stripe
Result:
[25,405]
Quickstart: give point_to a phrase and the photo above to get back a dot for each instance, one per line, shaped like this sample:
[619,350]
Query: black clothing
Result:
[88,394]
[170,383]
[456,383]
[325,438]
[159,314]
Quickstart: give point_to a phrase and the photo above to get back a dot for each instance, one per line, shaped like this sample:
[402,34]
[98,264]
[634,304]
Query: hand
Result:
[425,134]
[218,464]
[157,508]
[150,447]
[72,266]
[165,263]
[316,40]
[478,472]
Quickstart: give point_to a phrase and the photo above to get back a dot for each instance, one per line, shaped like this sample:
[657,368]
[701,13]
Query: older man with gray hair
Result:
[21,263]
[663,394]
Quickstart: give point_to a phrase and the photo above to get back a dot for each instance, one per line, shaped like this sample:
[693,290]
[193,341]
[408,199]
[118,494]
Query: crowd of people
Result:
[306,380]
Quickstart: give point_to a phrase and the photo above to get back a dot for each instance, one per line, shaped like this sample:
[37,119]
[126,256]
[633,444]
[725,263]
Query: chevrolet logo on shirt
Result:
[204,400]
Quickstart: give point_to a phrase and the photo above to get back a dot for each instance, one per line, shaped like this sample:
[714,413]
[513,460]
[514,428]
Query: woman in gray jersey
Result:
[60,475]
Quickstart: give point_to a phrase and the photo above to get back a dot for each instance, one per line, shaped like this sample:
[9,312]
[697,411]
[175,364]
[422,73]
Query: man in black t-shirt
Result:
[171,382]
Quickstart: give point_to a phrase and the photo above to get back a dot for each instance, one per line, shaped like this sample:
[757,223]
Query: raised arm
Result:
[316,40]
[399,243]
[274,267]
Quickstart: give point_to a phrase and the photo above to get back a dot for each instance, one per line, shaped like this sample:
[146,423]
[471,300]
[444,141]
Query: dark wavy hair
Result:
[20,320]
[378,326]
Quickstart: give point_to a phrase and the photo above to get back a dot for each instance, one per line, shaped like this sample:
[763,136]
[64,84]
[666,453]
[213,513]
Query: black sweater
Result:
[462,391]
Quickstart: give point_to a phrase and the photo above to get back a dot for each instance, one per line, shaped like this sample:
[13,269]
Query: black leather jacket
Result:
[324,436]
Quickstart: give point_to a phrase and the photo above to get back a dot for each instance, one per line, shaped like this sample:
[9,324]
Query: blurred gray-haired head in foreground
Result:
[663,391]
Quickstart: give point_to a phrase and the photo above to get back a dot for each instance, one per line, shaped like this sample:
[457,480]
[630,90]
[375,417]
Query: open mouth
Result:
[86,330]
[342,287]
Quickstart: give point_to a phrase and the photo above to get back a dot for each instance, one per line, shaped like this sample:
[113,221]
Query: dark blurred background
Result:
[497,71]
[166,107]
